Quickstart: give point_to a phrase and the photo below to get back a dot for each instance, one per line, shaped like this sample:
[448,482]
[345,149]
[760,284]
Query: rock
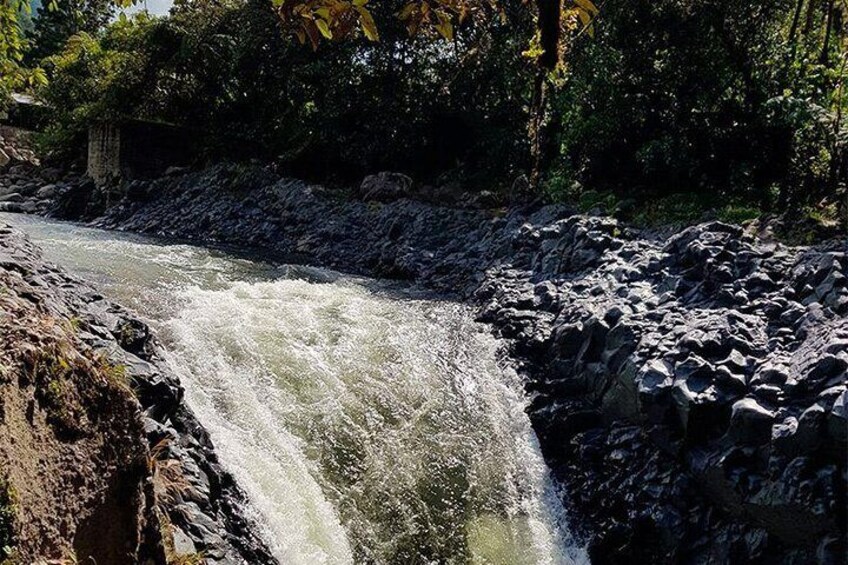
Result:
[828,367]
[4,159]
[29,207]
[175,171]
[137,191]
[182,543]
[751,422]
[485,199]
[654,387]
[47,191]
[385,187]
[12,197]
[837,420]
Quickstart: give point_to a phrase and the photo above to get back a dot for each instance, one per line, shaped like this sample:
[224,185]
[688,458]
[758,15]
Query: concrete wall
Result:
[104,152]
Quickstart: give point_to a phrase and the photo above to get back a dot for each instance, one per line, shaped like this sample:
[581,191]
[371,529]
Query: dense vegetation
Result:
[661,109]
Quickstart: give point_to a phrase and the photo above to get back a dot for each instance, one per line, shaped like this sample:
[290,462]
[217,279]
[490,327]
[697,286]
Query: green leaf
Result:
[324,28]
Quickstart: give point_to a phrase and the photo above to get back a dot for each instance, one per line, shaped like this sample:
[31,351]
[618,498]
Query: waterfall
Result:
[366,425]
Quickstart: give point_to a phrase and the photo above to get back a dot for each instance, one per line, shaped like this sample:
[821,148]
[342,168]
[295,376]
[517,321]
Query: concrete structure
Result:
[132,149]
[23,111]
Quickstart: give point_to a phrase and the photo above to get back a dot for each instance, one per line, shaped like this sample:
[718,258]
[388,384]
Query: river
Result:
[365,423]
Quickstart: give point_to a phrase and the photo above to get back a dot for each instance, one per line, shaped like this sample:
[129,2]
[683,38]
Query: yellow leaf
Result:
[444,27]
[369,26]
[360,3]
[587,6]
[324,28]
[324,13]
[407,11]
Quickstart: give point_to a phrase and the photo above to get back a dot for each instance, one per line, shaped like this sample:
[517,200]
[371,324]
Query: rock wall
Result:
[105,460]
[689,391]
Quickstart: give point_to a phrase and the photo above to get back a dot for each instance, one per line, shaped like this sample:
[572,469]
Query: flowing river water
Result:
[366,424]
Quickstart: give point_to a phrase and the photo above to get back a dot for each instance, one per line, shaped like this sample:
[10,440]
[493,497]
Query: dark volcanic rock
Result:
[385,187]
[689,392]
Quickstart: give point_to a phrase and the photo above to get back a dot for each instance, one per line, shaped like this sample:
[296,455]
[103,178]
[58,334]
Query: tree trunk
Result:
[550,12]
[811,11]
[827,31]
[796,18]
[537,119]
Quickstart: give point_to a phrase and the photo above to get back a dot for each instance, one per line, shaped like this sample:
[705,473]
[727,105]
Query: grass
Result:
[738,213]
[675,209]
[171,557]
[191,559]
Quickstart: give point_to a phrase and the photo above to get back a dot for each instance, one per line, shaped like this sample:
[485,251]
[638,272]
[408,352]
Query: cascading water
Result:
[365,425]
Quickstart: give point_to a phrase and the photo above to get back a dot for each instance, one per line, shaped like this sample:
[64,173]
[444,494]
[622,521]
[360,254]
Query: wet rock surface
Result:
[193,506]
[689,391]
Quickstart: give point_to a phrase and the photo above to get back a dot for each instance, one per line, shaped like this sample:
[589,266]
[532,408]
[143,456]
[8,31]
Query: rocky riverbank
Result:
[689,391]
[100,459]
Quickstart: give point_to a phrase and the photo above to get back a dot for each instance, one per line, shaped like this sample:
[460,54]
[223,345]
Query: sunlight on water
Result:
[366,427]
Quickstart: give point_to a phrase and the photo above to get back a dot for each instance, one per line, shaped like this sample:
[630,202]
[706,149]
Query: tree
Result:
[13,74]
[53,26]
[310,20]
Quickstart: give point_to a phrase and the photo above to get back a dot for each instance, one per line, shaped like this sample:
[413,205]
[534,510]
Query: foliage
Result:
[418,106]
[738,213]
[53,26]
[707,97]
[674,209]
[13,75]
[310,20]
[671,108]
[94,79]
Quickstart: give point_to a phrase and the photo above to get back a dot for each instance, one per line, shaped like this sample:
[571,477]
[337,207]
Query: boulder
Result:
[29,207]
[175,171]
[750,421]
[837,420]
[385,187]
[47,191]
[12,197]
[14,207]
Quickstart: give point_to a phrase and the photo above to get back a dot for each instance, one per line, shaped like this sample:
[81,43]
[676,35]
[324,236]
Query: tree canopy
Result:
[650,108]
